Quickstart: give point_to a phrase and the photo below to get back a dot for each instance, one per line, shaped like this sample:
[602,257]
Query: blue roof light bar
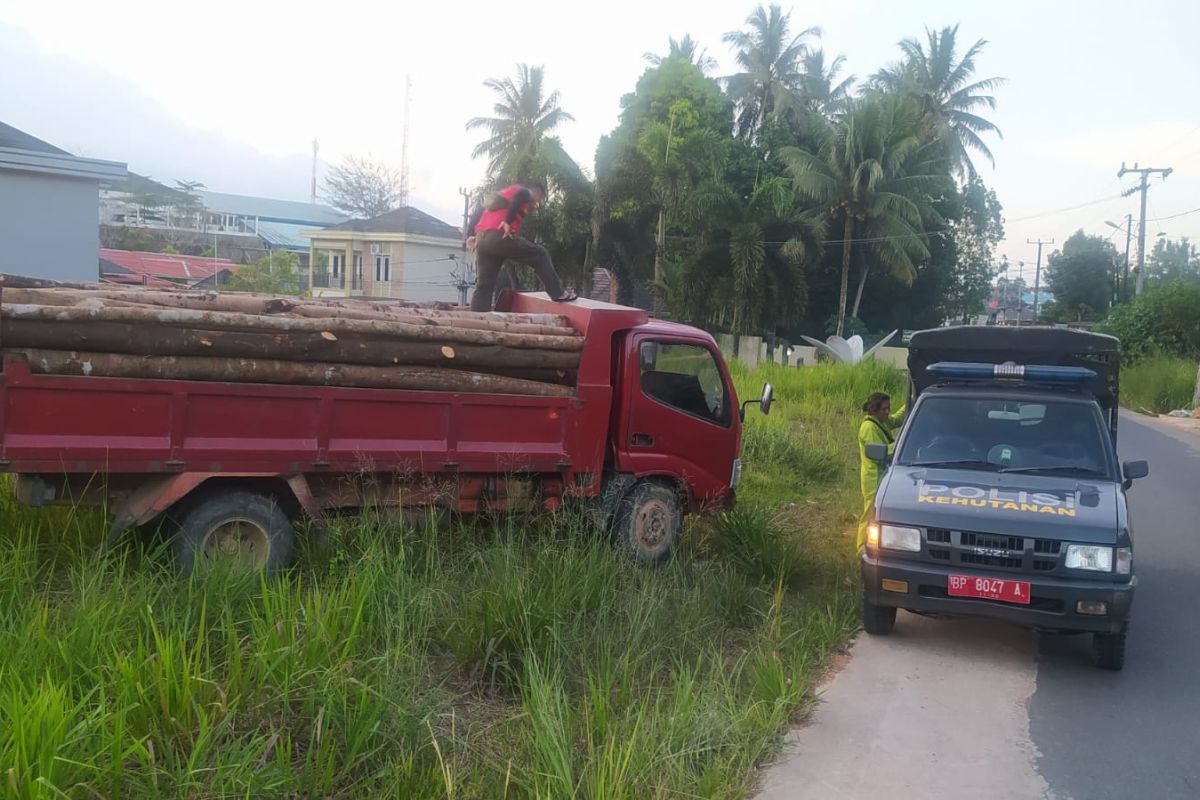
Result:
[1028,372]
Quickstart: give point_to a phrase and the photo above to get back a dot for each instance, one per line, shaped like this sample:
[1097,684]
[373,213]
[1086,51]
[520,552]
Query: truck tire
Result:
[647,523]
[1108,649]
[877,620]
[246,527]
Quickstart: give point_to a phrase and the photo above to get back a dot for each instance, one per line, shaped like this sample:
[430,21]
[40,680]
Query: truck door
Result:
[681,420]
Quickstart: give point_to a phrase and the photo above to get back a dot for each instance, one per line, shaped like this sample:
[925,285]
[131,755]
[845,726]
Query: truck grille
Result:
[992,550]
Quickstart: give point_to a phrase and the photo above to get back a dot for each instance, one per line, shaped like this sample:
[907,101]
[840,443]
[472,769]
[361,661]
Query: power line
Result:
[1174,216]
[1064,210]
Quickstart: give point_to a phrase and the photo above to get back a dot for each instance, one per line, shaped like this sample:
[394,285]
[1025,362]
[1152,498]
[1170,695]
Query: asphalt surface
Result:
[972,708]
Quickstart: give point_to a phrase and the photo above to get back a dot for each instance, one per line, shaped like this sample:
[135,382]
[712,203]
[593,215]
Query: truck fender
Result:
[159,494]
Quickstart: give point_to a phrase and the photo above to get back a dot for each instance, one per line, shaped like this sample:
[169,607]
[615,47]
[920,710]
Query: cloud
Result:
[92,112]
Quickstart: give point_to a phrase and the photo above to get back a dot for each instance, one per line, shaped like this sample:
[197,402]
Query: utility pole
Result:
[312,189]
[404,175]
[1037,276]
[463,283]
[1145,172]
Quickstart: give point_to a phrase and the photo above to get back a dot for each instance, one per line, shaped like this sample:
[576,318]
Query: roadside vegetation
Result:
[513,657]
[1159,384]
[1160,344]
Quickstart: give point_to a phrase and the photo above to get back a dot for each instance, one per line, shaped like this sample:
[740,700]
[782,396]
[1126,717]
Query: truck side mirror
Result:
[764,402]
[1133,470]
[876,451]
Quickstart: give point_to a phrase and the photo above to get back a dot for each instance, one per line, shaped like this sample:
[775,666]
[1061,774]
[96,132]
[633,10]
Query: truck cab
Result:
[1005,497]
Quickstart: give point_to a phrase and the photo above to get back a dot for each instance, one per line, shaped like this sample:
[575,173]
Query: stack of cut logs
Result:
[107,331]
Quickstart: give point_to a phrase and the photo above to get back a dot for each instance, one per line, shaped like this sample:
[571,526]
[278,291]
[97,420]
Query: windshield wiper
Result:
[1057,468]
[956,462]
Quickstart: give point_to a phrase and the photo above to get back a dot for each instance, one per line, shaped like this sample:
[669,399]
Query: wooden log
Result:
[171,297]
[168,340]
[247,304]
[248,370]
[218,320]
[467,323]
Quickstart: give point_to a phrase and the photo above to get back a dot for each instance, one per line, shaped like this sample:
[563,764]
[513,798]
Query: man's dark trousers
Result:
[492,249]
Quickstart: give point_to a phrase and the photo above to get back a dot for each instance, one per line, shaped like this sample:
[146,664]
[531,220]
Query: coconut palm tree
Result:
[771,81]
[525,117]
[823,92]
[873,179]
[947,91]
[687,49]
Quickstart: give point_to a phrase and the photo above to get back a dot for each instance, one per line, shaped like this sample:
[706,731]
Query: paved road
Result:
[979,709]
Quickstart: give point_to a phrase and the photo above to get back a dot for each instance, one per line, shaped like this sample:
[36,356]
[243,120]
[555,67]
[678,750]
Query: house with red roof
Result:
[163,270]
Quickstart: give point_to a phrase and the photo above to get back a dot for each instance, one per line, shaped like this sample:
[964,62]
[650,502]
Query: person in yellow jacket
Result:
[876,427]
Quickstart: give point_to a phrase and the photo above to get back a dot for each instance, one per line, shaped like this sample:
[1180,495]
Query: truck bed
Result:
[60,424]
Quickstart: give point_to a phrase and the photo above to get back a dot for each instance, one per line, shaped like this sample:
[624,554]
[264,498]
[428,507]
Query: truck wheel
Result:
[877,620]
[1108,650]
[237,526]
[648,522]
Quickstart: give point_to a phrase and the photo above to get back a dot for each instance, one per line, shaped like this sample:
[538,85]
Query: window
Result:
[337,263]
[993,433]
[358,264]
[686,377]
[383,268]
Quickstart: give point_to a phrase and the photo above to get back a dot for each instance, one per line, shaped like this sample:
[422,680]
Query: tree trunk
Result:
[246,370]
[862,281]
[250,323]
[1196,396]
[167,340]
[848,233]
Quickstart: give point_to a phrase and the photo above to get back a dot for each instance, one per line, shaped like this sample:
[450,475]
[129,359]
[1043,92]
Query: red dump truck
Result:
[651,432]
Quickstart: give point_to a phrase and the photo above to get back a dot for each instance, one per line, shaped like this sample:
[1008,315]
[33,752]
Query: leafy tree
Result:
[976,234]
[1081,276]
[771,82]
[274,273]
[673,137]
[873,178]
[519,135]
[1173,261]
[686,49]
[946,88]
[363,187]
[1165,319]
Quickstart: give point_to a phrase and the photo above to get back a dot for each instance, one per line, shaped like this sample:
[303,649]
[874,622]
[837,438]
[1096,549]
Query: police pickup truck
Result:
[1004,497]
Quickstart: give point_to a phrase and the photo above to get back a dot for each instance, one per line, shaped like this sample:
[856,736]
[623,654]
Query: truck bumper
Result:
[1052,607]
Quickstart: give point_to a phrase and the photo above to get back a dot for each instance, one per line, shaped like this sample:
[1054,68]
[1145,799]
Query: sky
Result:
[234,93]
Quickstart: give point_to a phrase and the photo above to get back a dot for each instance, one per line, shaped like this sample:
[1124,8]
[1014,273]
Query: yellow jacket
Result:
[872,431]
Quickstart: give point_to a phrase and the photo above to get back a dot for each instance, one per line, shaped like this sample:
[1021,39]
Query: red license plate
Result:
[988,588]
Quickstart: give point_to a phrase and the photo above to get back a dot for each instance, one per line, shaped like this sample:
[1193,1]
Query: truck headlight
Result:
[1089,557]
[893,537]
[1124,560]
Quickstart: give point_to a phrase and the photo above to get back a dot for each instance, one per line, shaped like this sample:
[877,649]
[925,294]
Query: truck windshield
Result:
[1002,435]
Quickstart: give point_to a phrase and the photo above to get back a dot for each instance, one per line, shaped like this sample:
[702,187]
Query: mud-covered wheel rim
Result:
[238,540]
[652,525]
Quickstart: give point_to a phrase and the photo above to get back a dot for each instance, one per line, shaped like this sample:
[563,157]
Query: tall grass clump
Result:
[1158,384]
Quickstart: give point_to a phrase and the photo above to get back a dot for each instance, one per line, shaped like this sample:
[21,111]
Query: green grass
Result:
[519,657]
[1159,384]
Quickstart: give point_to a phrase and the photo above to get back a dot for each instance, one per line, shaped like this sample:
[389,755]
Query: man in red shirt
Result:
[494,235]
